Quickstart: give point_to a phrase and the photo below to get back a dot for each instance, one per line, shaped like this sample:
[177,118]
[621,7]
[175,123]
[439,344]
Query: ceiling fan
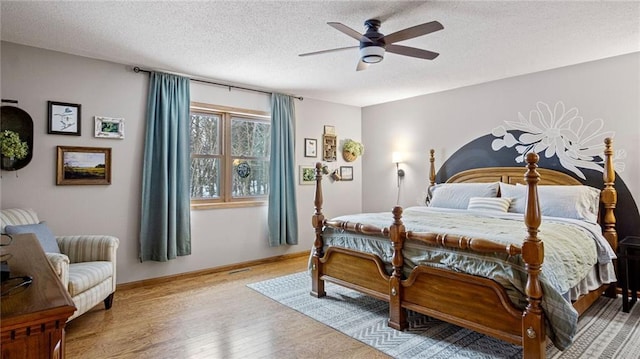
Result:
[373,44]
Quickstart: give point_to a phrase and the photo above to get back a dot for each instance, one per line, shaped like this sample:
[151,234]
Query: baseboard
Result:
[227,268]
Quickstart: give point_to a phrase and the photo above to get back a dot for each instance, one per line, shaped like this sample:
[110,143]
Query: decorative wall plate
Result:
[243,170]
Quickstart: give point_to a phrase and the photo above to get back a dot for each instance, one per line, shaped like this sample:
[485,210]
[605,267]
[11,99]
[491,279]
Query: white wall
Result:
[312,115]
[219,236]
[608,89]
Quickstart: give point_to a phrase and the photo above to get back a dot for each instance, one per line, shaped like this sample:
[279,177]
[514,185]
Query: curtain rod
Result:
[137,70]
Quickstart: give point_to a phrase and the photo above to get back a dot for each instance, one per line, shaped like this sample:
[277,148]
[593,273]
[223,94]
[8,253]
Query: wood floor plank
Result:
[208,316]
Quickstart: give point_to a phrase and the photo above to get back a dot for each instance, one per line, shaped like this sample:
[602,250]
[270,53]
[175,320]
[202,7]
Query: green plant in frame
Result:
[111,127]
[308,174]
[12,146]
[107,127]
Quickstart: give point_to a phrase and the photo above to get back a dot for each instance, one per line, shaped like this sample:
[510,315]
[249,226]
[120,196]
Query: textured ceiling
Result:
[256,43]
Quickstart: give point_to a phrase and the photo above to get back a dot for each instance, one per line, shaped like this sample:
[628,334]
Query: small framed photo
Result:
[83,165]
[64,118]
[307,174]
[310,147]
[329,130]
[346,173]
[107,127]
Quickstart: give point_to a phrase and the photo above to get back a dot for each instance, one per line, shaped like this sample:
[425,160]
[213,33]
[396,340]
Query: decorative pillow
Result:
[457,195]
[494,204]
[518,195]
[43,233]
[577,202]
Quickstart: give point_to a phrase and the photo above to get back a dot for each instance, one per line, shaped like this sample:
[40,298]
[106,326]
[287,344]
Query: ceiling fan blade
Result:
[415,31]
[361,65]
[411,51]
[330,50]
[348,31]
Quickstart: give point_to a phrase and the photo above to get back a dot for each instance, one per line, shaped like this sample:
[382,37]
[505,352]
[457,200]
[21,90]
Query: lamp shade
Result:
[396,157]
[372,54]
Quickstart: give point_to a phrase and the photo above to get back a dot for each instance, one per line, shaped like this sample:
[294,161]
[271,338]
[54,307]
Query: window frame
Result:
[226,200]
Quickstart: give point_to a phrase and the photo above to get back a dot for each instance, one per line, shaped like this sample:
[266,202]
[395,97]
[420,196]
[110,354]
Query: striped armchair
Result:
[86,264]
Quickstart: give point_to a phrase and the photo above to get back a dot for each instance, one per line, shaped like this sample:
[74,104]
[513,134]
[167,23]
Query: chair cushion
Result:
[85,275]
[41,230]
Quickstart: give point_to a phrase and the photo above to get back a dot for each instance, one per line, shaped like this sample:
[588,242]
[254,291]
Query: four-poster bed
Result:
[445,292]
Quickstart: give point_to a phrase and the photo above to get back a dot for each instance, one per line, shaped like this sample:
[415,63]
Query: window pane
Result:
[250,178]
[250,138]
[205,134]
[205,178]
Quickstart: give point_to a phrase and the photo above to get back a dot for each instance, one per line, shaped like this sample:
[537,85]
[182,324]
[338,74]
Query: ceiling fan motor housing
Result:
[372,43]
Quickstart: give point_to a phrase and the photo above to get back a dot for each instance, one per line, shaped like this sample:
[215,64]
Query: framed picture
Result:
[307,174]
[346,173]
[107,127]
[310,147]
[329,130]
[64,118]
[83,165]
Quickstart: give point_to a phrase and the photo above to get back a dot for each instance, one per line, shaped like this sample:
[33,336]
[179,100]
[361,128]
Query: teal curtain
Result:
[283,214]
[165,228]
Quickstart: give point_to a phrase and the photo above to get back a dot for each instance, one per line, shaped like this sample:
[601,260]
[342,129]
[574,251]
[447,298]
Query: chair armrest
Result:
[88,248]
[60,264]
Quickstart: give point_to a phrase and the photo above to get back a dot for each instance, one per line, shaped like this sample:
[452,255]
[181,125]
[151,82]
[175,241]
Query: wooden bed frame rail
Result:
[479,245]
[444,294]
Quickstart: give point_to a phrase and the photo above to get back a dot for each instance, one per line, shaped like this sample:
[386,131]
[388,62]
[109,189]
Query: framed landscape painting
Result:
[83,166]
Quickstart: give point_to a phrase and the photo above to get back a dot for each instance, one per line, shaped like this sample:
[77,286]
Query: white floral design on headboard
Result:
[561,133]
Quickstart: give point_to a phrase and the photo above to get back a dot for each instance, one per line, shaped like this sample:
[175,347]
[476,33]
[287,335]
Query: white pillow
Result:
[577,202]
[518,195]
[494,204]
[457,195]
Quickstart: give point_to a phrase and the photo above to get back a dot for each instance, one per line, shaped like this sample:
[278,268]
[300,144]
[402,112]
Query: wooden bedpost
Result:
[609,196]
[432,167]
[432,175]
[609,199]
[397,314]
[533,329]
[317,284]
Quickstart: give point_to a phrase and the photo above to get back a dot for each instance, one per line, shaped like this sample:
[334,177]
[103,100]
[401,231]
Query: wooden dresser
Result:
[33,318]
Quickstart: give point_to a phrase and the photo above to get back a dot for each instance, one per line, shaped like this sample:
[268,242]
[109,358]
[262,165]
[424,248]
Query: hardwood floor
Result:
[209,316]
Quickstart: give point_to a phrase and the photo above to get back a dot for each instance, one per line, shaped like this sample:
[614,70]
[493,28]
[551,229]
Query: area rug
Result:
[604,331]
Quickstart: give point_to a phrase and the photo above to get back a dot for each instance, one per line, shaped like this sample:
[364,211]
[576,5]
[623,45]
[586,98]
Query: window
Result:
[229,156]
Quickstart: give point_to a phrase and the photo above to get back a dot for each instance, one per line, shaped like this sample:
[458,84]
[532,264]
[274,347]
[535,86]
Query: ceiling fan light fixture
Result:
[372,54]
[374,44]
